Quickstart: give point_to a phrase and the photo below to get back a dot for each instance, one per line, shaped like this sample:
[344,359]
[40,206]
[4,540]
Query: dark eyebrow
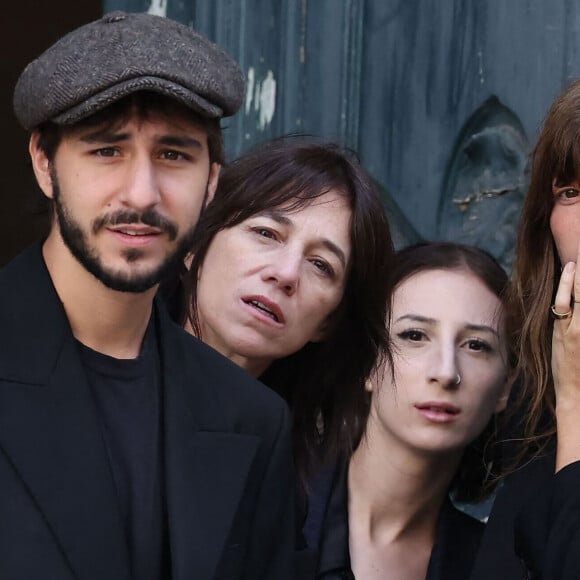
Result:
[103,136]
[417,318]
[335,250]
[483,328]
[282,219]
[181,142]
[277,216]
[426,320]
[108,136]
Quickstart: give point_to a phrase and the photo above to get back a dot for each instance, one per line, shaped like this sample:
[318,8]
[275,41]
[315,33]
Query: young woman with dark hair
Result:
[534,529]
[288,278]
[430,427]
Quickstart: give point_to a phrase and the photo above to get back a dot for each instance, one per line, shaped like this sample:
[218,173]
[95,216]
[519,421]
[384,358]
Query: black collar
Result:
[456,541]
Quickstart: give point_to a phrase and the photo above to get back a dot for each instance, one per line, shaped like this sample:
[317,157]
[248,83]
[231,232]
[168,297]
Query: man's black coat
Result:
[227,459]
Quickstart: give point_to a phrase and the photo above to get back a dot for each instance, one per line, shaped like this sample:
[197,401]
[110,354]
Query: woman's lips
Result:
[438,412]
[266,307]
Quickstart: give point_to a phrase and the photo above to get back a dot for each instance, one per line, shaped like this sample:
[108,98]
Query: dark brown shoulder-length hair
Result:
[475,477]
[555,160]
[323,383]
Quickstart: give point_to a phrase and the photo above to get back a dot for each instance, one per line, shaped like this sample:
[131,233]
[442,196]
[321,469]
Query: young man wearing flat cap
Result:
[129,450]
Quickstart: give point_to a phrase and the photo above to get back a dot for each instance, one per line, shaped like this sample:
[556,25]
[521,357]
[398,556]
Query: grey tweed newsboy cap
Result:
[108,59]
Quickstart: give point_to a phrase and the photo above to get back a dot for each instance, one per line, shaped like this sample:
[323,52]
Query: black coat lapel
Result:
[48,426]
[206,463]
[456,544]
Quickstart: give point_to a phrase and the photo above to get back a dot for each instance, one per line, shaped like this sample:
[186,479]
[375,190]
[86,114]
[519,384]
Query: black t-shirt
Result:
[127,394]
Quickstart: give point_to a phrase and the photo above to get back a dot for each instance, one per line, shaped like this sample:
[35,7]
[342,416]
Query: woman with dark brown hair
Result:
[288,278]
[430,429]
[534,529]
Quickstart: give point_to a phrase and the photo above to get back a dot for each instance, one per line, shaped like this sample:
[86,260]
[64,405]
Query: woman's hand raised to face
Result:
[566,364]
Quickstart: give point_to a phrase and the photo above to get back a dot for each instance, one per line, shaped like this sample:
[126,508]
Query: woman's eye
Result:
[568,193]
[478,345]
[323,266]
[412,335]
[265,233]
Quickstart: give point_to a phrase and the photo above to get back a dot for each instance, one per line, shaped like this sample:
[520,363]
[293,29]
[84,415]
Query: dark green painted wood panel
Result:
[395,79]
[300,78]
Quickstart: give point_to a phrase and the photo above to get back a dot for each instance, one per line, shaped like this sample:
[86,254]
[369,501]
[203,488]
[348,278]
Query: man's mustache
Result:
[148,218]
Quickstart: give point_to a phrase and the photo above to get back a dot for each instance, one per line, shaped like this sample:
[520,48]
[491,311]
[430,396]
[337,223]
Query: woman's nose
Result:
[444,369]
[284,270]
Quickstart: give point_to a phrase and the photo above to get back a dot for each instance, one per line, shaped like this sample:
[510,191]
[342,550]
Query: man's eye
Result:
[106,152]
[173,155]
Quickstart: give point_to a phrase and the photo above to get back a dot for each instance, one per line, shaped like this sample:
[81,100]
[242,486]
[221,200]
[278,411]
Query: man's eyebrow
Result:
[104,136]
[108,136]
[282,219]
[182,142]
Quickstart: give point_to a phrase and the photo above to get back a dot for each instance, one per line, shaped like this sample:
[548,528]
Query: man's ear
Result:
[212,181]
[41,165]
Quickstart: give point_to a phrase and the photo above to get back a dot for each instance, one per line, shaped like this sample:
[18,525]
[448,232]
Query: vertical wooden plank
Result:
[126,5]
[332,70]
[267,40]
[352,76]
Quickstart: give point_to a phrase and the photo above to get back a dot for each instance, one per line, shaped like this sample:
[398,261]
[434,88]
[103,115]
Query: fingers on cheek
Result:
[565,286]
[576,274]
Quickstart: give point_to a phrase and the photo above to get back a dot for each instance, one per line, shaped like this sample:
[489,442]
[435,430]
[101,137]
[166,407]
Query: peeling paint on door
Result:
[266,100]
[251,79]
[158,7]
[263,96]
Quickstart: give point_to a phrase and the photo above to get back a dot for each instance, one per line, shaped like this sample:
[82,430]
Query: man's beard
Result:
[76,241]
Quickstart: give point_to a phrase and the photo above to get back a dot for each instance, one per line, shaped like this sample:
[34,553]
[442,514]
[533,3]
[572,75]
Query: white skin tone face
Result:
[565,221]
[268,285]
[445,323]
[156,165]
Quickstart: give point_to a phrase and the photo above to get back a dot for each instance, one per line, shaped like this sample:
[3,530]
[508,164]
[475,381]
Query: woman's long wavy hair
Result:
[555,161]
[323,383]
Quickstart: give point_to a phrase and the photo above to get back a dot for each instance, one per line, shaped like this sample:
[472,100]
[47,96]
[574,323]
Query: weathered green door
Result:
[440,99]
